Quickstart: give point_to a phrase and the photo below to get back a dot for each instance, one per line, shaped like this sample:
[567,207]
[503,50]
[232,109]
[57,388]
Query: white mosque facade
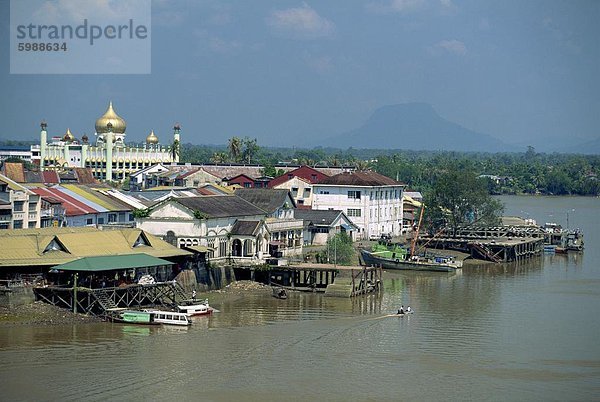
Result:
[110,158]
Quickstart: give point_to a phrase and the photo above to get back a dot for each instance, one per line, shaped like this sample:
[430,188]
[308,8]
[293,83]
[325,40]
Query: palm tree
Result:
[235,148]
[219,157]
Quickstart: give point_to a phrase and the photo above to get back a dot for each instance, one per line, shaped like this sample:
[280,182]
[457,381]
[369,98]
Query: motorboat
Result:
[193,308]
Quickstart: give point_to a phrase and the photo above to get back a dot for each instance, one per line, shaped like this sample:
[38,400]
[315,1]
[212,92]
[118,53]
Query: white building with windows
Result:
[373,202]
[19,206]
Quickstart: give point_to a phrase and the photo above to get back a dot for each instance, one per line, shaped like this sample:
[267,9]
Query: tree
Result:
[235,149]
[460,198]
[340,249]
[250,148]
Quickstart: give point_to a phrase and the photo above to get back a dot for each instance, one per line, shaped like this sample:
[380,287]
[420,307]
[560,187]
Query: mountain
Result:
[415,126]
[590,148]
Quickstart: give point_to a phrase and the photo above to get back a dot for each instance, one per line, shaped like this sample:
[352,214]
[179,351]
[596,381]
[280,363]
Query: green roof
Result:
[112,263]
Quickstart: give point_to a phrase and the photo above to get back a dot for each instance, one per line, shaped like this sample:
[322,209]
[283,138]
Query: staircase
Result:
[105,302]
[485,252]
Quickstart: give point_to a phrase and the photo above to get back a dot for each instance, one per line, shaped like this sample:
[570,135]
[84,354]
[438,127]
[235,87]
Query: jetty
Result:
[497,244]
[332,280]
[102,301]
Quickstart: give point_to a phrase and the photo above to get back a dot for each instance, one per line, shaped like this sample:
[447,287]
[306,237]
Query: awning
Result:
[200,249]
[112,263]
[346,227]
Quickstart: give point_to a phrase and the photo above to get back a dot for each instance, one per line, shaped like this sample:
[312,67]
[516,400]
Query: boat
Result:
[194,308]
[393,256]
[279,293]
[169,317]
[133,317]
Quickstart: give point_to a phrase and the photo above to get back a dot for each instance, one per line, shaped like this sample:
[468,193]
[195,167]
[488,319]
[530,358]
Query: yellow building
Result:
[110,158]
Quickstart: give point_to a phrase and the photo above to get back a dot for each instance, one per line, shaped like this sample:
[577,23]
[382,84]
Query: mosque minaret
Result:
[110,158]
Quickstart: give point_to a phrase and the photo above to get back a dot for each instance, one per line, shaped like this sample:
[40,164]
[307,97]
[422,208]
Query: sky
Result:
[291,72]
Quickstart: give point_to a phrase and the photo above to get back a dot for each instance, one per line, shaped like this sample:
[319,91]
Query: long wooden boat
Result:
[397,258]
[132,317]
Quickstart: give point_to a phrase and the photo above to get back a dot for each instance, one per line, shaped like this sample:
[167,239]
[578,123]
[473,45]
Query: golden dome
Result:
[68,137]
[118,124]
[151,138]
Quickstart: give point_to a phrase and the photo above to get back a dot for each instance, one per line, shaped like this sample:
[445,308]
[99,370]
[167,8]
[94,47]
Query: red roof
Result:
[72,206]
[366,178]
[50,176]
[304,172]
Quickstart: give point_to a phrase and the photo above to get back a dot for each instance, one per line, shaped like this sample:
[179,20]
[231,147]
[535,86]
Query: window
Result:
[313,177]
[307,192]
[89,221]
[354,194]
[18,224]
[323,192]
[247,184]
[32,206]
[100,221]
[112,218]
[31,224]
[294,189]
[354,212]
[18,206]
[300,202]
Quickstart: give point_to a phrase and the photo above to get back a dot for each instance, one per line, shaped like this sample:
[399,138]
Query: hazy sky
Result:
[523,71]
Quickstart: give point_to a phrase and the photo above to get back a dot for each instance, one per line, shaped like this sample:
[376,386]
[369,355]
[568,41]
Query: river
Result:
[497,332]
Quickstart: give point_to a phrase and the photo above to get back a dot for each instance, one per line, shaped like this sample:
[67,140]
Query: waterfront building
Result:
[286,231]
[19,206]
[321,225]
[372,201]
[109,157]
[226,226]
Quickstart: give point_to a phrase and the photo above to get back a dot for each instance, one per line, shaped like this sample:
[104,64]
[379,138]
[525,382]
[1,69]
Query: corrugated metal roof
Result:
[365,178]
[73,207]
[14,171]
[75,193]
[112,262]
[97,197]
[25,247]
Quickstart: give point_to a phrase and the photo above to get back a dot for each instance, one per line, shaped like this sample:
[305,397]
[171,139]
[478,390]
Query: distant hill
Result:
[415,126]
[590,148]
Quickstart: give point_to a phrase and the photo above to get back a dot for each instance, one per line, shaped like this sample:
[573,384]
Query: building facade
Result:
[19,206]
[109,157]
[372,201]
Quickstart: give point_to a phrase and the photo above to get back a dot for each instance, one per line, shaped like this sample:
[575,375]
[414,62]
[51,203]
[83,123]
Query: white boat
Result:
[170,317]
[195,308]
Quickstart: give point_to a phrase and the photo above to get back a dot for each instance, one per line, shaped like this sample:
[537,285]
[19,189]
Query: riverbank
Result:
[40,313]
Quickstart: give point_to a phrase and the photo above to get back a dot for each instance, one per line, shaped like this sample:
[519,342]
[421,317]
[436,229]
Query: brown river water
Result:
[523,332]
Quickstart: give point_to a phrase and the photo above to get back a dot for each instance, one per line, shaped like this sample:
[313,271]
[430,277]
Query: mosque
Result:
[110,158]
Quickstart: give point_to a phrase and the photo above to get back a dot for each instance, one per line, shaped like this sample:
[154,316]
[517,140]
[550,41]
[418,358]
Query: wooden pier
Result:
[496,249]
[341,281]
[101,301]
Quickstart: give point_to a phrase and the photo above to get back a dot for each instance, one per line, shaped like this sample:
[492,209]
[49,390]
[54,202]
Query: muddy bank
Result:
[40,313]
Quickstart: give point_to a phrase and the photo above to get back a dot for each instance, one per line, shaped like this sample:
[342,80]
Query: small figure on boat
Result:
[408,310]
[401,311]
[194,294]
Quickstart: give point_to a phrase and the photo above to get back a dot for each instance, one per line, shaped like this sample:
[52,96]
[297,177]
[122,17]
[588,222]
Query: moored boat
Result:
[170,317]
[279,293]
[194,308]
[133,317]
[397,257]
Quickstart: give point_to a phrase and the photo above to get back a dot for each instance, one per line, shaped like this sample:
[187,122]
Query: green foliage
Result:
[141,213]
[340,250]
[200,215]
[458,198]
[527,172]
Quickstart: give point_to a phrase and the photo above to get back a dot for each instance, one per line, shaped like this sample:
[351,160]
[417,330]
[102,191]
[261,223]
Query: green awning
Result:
[112,263]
